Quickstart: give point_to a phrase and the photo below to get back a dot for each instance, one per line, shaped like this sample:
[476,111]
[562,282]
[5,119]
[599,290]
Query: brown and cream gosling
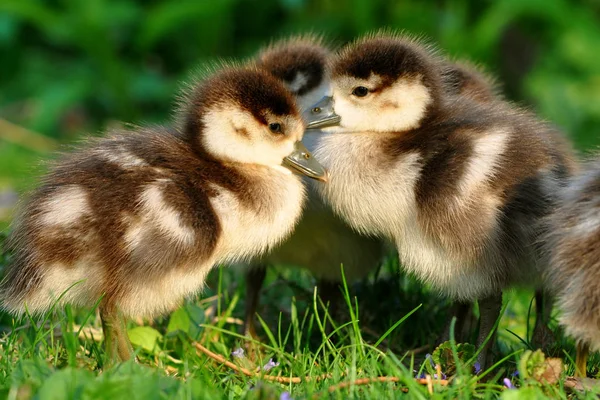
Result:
[321,241]
[459,186]
[573,246]
[137,219]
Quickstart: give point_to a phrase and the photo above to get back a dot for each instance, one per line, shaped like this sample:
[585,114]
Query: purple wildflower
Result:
[285,396]
[477,367]
[515,374]
[435,376]
[270,365]
[508,383]
[238,353]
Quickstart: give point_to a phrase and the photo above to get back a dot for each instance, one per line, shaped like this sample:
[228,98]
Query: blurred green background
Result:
[73,67]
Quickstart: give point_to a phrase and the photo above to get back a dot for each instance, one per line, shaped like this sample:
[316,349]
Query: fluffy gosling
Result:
[138,219]
[573,246]
[459,186]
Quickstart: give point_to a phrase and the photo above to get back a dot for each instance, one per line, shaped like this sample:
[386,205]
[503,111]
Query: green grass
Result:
[61,81]
[47,358]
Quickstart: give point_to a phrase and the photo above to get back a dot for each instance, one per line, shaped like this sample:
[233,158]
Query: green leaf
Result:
[179,321]
[532,364]
[442,355]
[187,319]
[197,317]
[145,337]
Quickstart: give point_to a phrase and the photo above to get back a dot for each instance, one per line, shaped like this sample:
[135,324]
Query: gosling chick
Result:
[321,241]
[138,219]
[573,246]
[459,186]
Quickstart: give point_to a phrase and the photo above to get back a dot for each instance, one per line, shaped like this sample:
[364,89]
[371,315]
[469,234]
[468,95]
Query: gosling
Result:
[138,219]
[459,186]
[573,247]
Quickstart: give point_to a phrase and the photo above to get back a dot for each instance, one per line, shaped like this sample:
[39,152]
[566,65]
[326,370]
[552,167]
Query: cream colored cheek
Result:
[287,148]
[341,106]
[274,153]
[298,135]
[351,114]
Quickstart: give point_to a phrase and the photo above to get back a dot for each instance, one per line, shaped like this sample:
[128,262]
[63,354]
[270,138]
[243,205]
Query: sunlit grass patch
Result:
[303,353]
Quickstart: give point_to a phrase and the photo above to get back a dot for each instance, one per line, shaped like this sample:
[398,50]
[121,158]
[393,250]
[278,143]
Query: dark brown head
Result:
[462,78]
[301,63]
[241,115]
[385,83]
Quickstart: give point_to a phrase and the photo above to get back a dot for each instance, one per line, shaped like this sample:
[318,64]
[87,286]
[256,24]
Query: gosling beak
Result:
[304,163]
[321,115]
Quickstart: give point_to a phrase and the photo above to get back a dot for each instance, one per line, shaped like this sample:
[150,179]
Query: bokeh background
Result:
[75,67]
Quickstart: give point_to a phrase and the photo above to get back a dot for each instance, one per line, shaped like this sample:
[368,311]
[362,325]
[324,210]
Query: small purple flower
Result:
[421,375]
[477,367]
[270,365]
[285,396]
[238,353]
[435,376]
[516,373]
[428,357]
[508,383]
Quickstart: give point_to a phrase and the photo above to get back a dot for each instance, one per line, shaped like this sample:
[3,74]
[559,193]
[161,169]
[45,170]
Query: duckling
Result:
[300,62]
[321,241]
[459,186]
[573,246]
[138,219]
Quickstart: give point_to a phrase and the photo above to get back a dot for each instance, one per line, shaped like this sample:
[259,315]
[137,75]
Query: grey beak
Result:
[321,114]
[304,163]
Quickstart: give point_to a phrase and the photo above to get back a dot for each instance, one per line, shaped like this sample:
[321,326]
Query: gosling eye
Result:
[275,127]
[360,91]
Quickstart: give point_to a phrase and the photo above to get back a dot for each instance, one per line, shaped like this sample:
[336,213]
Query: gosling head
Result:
[301,64]
[385,83]
[247,116]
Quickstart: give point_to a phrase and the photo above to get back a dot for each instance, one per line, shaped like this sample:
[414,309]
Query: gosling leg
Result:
[489,311]
[542,335]
[255,278]
[330,295]
[116,342]
[581,360]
